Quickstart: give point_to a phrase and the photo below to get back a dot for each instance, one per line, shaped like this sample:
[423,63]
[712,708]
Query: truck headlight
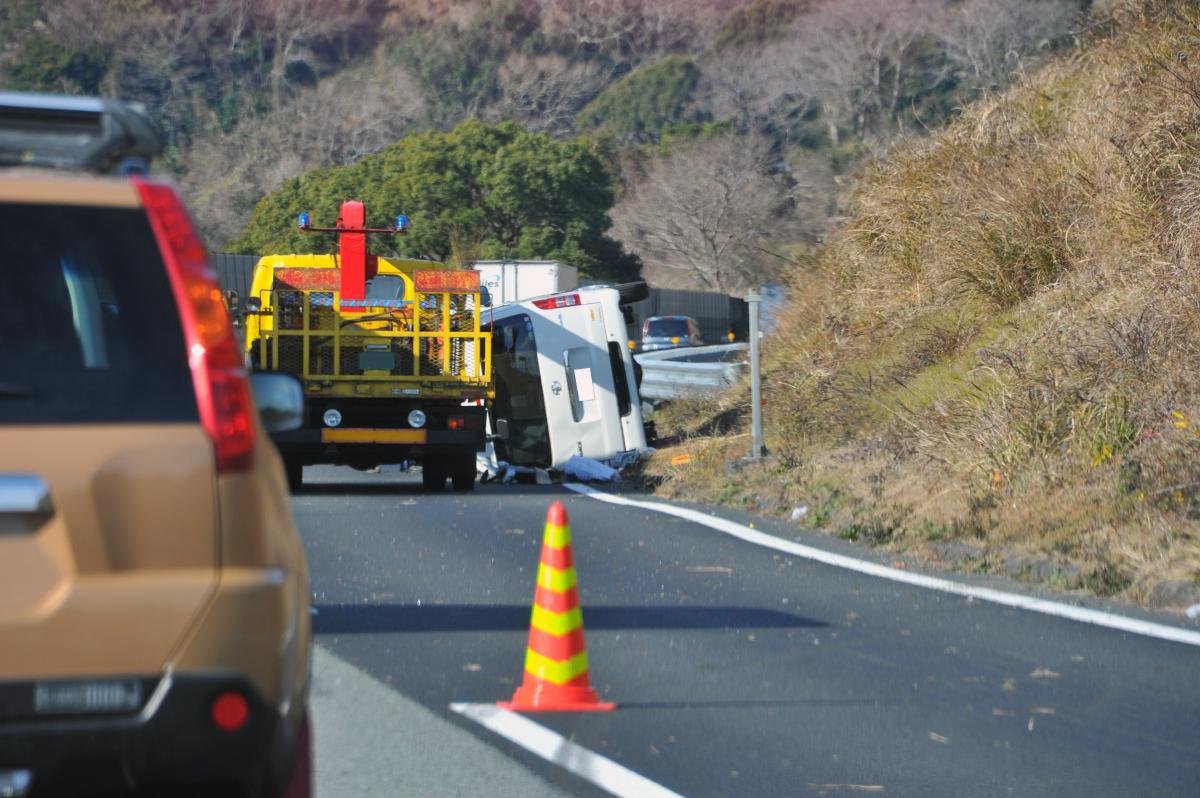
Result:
[416,419]
[332,417]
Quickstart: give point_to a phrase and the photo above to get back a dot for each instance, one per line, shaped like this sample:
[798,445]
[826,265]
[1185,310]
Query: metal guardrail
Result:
[690,371]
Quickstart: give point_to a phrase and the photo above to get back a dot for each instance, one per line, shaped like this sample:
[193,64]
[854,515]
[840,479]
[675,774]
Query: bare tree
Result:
[292,26]
[743,83]
[546,92]
[704,216]
[847,58]
[336,123]
[851,59]
[988,40]
[634,28]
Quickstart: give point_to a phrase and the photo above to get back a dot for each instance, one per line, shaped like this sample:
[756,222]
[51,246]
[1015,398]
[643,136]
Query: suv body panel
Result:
[151,565]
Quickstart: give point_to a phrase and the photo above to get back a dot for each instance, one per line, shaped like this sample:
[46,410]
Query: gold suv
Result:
[154,604]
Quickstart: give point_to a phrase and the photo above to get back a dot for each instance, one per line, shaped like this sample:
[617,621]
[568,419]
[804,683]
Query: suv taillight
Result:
[222,388]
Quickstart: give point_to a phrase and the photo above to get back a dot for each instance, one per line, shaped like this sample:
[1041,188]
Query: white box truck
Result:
[511,281]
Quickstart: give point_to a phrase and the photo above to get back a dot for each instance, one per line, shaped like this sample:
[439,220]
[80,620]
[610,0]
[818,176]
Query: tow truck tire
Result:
[295,474]
[464,474]
[433,476]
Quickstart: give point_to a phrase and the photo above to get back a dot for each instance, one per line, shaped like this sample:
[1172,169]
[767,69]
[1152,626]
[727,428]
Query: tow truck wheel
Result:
[464,474]
[433,476]
[295,474]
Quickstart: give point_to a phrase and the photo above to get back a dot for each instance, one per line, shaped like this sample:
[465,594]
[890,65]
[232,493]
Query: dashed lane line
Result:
[553,747]
[1044,606]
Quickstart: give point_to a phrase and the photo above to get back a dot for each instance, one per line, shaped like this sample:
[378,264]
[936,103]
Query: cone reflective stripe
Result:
[556,661]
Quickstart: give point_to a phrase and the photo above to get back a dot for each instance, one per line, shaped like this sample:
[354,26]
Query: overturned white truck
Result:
[565,379]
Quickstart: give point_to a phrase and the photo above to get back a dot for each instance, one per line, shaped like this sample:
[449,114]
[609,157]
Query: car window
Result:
[668,328]
[90,329]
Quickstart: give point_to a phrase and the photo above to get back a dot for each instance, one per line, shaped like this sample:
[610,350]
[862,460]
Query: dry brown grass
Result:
[1001,344]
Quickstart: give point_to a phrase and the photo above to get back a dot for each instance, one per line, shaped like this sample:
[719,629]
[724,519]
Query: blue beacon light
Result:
[402,222]
[305,221]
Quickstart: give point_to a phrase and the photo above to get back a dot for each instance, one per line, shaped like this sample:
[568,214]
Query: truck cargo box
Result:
[517,280]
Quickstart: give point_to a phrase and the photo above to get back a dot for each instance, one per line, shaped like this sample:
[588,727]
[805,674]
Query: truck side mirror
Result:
[485,296]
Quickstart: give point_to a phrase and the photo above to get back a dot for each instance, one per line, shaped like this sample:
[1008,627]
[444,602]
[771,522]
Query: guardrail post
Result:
[753,300]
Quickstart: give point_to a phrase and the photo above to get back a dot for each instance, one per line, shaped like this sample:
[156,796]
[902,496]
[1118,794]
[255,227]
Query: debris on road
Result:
[587,470]
[824,788]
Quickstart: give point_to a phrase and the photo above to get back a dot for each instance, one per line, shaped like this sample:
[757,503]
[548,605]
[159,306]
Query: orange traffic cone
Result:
[556,661]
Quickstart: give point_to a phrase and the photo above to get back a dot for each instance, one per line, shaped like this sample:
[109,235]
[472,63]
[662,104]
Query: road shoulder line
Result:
[1044,606]
[554,748]
[371,740]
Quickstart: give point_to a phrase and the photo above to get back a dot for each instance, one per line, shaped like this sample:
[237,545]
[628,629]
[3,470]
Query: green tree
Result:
[489,190]
[641,104]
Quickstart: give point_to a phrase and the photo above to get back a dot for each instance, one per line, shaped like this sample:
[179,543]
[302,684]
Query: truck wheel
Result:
[464,474]
[295,474]
[433,476]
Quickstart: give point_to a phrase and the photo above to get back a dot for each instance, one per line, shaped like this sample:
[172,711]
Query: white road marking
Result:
[553,747]
[370,741]
[1044,606]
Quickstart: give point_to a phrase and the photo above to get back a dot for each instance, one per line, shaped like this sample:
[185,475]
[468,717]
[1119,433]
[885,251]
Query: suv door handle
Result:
[24,494]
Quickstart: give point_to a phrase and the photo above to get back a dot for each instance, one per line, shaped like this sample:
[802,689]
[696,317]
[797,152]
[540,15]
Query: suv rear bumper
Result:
[171,742]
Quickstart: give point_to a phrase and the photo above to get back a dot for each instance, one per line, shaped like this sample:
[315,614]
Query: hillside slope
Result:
[993,364]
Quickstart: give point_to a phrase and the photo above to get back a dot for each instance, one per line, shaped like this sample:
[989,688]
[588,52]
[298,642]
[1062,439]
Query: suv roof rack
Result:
[87,133]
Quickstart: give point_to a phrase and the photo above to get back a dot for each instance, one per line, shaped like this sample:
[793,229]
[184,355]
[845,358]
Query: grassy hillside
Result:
[994,363]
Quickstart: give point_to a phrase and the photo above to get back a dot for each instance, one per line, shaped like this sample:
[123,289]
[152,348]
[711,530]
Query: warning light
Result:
[305,221]
[401,223]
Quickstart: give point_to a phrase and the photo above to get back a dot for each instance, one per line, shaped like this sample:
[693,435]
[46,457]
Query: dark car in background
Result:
[668,332]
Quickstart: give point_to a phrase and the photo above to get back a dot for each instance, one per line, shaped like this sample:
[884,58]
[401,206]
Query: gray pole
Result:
[753,299]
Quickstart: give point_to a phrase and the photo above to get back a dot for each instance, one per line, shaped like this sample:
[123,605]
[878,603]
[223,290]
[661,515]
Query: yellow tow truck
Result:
[390,351]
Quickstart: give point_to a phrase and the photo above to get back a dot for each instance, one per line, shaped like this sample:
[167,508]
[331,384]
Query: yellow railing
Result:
[434,339]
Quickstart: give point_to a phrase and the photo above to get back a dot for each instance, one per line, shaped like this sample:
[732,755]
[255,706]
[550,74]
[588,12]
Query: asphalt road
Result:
[738,670]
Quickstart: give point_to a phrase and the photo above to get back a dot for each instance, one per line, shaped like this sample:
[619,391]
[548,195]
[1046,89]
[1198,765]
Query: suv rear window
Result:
[90,332]
[667,328]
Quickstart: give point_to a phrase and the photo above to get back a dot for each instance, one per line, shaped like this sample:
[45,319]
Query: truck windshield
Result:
[385,286]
